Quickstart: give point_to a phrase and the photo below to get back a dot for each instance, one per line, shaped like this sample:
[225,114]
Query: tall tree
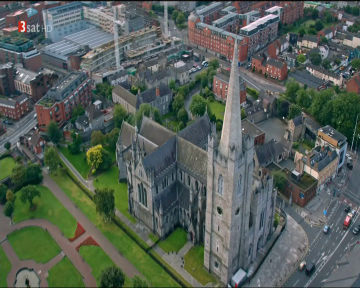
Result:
[312,31]
[319,101]
[172,84]
[183,115]
[9,209]
[214,63]
[10,197]
[315,14]
[303,98]
[302,32]
[94,156]
[112,277]
[138,282]
[105,203]
[319,25]
[3,190]
[326,64]
[198,105]
[51,158]
[97,137]
[295,110]
[18,175]
[146,109]
[178,103]
[180,19]
[119,115]
[106,160]
[112,137]
[282,107]
[33,171]
[301,58]
[279,180]
[54,132]
[28,193]
[291,88]
[355,64]
[315,59]
[7,145]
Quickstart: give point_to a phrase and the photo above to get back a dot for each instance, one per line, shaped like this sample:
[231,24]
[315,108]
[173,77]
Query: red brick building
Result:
[14,108]
[59,101]
[273,68]
[221,83]
[250,128]
[20,50]
[35,142]
[353,85]
[292,11]
[31,16]
[243,7]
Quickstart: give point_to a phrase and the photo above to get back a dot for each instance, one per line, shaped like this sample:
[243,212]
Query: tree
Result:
[319,101]
[279,180]
[324,40]
[302,32]
[181,126]
[282,107]
[178,103]
[291,88]
[183,115]
[326,64]
[295,110]
[10,197]
[312,31]
[138,282]
[301,58]
[119,115]
[348,9]
[175,14]
[51,158]
[54,132]
[318,25]
[112,137]
[106,160]
[75,146]
[329,18]
[28,193]
[33,171]
[97,137]
[243,114]
[180,19]
[146,109]
[3,190]
[112,277]
[214,63]
[9,209]
[198,105]
[94,156]
[315,59]
[290,49]
[105,203]
[18,175]
[78,111]
[172,84]
[355,11]
[355,64]
[7,145]
[204,80]
[303,98]
[315,14]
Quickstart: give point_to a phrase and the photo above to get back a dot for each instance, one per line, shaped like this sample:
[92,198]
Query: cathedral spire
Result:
[231,131]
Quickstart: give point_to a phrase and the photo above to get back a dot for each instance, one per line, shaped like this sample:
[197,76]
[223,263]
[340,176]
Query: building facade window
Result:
[220,185]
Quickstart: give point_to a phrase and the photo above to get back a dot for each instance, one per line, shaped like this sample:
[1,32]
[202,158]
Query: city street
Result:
[19,128]
[326,249]
[351,191]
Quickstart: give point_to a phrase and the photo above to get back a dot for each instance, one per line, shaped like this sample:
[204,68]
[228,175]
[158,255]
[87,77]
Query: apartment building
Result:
[33,84]
[14,108]
[328,136]
[64,20]
[208,14]
[247,6]
[324,74]
[273,68]
[7,75]
[221,84]
[292,11]
[20,50]
[59,101]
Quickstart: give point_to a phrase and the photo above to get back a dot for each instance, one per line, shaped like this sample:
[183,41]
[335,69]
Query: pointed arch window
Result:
[140,194]
[145,198]
[189,181]
[221,185]
[239,185]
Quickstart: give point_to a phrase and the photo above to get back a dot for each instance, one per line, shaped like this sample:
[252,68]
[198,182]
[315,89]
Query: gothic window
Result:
[220,185]
[181,175]
[250,249]
[156,222]
[173,176]
[218,228]
[219,210]
[157,189]
[188,178]
[145,198]
[217,246]
[237,211]
[216,264]
[197,186]
[262,219]
[139,191]
[167,219]
[239,185]
[204,191]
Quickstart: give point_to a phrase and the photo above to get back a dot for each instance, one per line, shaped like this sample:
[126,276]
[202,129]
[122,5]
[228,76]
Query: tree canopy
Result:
[295,110]
[146,109]
[318,25]
[279,180]
[28,193]
[18,175]
[112,277]
[301,58]
[105,203]
[198,105]
[97,137]
[94,156]
[315,59]
[54,132]
[119,115]
[355,64]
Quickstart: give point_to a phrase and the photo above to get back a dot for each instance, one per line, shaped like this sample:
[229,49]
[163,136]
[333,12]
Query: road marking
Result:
[296,282]
[337,237]
[337,228]
[333,244]
[327,274]
[326,241]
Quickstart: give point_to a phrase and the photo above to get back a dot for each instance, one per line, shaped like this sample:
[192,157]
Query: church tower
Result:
[229,179]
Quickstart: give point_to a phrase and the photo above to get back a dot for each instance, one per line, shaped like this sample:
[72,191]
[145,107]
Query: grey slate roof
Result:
[276,63]
[151,63]
[298,120]
[323,158]
[167,198]
[35,139]
[93,112]
[197,133]
[162,157]
[149,95]
[184,196]
[82,120]
[192,157]
[269,151]
[258,57]
[328,30]
[306,78]
[126,85]
[10,102]
[311,38]
[126,95]
[180,69]
[323,70]
[158,76]
[155,132]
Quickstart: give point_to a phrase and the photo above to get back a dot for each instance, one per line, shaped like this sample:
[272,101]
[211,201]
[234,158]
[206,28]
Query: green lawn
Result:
[49,208]
[6,166]
[5,267]
[174,242]
[33,243]
[153,237]
[194,265]
[307,24]
[218,109]
[152,272]
[109,179]
[65,274]
[77,161]
[98,260]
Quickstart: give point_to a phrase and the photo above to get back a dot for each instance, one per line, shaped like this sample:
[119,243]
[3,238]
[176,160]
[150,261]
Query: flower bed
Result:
[79,231]
[87,241]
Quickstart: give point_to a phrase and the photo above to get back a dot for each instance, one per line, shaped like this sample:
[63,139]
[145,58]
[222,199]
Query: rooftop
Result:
[306,78]
[206,9]
[25,76]
[250,128]
[259,22]
[331,132]
[273,9]
[305,182]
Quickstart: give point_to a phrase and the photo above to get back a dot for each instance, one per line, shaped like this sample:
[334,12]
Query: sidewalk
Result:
[284,257]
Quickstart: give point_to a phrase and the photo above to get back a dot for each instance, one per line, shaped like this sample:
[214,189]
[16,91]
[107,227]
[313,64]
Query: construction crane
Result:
[117,23]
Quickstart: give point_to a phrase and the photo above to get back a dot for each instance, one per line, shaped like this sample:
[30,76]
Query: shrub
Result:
[211,99]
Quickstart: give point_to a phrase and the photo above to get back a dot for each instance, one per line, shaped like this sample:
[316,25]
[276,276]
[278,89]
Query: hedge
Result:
[252,92]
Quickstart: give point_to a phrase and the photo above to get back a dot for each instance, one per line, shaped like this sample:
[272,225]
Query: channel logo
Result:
[36,28]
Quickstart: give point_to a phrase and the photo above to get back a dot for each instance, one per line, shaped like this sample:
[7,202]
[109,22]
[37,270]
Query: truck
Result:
[347,221]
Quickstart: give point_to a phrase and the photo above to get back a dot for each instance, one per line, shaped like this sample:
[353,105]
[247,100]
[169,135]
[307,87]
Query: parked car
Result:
[302,266]
[310,269]
[353,212]
[326,229]
[347,209]
[7,122]
[198,67]
[356,231]
[35,116]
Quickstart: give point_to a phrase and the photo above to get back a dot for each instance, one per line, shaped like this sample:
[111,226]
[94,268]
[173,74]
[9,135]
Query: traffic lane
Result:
[351,190]
[321,247]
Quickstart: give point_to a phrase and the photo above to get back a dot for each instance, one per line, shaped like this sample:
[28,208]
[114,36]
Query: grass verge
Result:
[77,161]
[33,243]
[5,267]
[174,242]
[49,208]
[153,237]
[65,274]
[6,165]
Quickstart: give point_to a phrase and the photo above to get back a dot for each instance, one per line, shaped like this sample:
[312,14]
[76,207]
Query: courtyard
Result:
[274,128]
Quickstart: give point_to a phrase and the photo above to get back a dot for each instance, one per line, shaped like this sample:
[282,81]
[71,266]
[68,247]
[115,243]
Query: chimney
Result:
[157,91]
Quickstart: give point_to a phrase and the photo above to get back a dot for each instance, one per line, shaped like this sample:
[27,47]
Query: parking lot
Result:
[274,128]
